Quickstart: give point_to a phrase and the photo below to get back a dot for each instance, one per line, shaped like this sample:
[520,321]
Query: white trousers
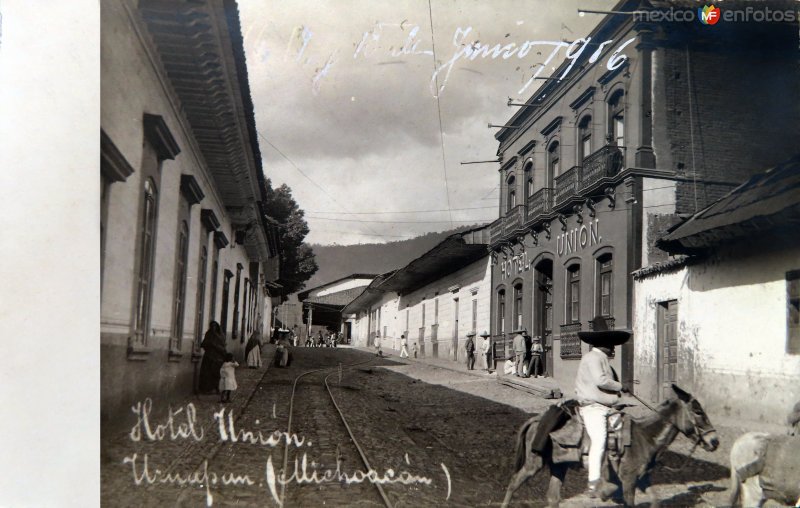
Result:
[594,418]
[404,352]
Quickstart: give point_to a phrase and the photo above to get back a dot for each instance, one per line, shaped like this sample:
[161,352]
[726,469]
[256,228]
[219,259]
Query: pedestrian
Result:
[213,356]
[378,345]
[537,351]
[486,349]
[469,347]
[598,389]
[227,378]
[415,349]
[252,352]
[520,350]
[509,367]
[403,347]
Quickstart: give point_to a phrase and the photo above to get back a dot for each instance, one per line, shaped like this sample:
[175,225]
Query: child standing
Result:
[415,350]
[227,378]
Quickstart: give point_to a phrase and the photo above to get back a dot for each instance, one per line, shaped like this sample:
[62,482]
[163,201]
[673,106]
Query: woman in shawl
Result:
[253,350]
[213,357]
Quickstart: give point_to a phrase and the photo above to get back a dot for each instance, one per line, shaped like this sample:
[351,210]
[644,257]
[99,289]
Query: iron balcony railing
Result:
[540,202]
[496,230]
[567,184]
[514,220]
[604,163]
[570,343]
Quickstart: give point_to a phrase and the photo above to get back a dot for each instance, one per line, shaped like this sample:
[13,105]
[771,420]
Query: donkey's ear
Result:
[682,395]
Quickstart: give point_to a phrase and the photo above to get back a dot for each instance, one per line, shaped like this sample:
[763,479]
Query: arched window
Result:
[501,311]
[518,306]
[553,162]
[584,138]
[528,179]
[573,295]
[616,118]
[144,291]
[605,285]
[179,297]
[512,193]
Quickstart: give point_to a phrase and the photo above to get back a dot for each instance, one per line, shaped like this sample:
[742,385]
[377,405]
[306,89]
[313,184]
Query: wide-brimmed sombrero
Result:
[521,331]
[601,336]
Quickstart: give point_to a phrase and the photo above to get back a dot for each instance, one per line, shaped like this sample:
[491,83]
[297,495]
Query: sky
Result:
[369,129]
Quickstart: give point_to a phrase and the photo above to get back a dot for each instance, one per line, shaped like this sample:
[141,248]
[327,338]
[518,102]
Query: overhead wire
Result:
[439,110]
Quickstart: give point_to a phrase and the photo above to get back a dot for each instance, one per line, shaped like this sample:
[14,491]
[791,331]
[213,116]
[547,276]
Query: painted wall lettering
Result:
[515,265]
[579,238]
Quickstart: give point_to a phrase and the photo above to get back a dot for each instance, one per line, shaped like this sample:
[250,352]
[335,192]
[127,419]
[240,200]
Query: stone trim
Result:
[159,135]
[191,190]
[112,163]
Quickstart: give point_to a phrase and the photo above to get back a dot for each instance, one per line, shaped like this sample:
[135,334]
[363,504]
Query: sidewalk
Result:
[545,388]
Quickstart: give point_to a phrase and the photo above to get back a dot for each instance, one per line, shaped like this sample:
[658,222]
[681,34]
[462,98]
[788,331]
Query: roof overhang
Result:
[453,253]
[200,45]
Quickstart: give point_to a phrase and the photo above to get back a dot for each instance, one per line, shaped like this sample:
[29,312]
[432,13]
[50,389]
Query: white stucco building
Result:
[722,318]
[434,301]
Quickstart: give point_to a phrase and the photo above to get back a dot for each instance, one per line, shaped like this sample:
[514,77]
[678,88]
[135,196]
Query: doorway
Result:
[543,311]
[667,354]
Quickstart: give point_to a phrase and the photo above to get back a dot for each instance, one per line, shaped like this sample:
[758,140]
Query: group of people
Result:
[218,367]
[330,339]
[528,353]
[485,350]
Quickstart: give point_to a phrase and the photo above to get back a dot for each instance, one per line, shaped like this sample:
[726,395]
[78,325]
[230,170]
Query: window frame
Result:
[554,159]
[584,135]
[602,270]
[616,117]
[518,305]
[572,300]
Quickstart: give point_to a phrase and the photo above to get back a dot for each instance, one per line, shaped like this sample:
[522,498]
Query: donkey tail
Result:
[520,445]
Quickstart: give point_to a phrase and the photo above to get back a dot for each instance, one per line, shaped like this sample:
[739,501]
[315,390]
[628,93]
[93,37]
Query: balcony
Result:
[496,231]
[603,163]
[514,220]
[570,343]
[540,202]
[567,184]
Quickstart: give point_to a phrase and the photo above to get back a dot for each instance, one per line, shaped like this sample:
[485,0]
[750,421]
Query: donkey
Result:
[649,437]
[765,466]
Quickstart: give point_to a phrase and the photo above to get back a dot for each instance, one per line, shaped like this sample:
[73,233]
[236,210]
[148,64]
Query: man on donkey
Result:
[598,390]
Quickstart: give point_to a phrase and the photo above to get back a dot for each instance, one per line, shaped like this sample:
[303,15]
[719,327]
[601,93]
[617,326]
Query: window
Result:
[793,312]
[584,138]
[501,311]
[553,162]
[475,315]
[201,292]
[147,243]
[518,306]
[605,285]
[573,303]
[512,193]
[616,118]
[179,296]
[226,288]
[528,179]
[236,298]
[245,309]
[214,276]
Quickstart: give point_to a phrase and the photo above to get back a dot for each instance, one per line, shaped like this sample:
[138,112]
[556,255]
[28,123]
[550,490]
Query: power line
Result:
[400,221]
[412,211]
[295,166]
[439,111]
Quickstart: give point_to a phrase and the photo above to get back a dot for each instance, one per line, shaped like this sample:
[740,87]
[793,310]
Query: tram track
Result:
[326,443]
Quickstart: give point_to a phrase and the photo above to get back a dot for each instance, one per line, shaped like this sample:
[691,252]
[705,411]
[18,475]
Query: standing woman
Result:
[253,350]
[213,357]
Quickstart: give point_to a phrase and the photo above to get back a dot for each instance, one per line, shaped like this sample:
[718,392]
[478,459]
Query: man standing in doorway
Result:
[520,349]
[486,349]
[403,347]
[470,349]
[598,389]
[534,366]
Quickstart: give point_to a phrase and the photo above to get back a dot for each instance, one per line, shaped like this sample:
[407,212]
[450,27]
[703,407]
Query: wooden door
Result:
[667,347]
[543,311]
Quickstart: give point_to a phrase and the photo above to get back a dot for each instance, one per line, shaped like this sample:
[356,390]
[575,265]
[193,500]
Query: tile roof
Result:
[765,202]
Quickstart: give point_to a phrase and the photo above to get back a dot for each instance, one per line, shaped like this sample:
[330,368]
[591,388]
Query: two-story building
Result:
[185,238]
[595,165]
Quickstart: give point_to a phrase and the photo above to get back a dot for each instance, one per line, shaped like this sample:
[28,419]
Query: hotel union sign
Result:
[574,240]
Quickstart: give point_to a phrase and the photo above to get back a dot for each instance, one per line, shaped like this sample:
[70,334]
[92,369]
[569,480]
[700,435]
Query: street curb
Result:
[480,374]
